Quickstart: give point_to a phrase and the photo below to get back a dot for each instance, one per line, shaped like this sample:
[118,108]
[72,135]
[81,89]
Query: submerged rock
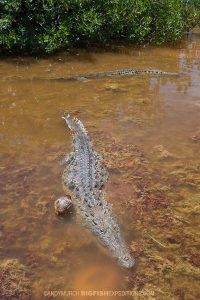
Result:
[161,153]
[196,137]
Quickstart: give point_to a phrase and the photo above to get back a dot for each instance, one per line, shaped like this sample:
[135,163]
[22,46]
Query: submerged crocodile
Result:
[84,177]
[113,73]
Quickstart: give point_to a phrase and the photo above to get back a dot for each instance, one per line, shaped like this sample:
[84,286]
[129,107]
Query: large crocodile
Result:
[122,72]
[84,177]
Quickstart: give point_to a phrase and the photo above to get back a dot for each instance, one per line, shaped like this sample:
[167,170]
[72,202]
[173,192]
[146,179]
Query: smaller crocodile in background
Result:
[98,75]
[113,73]
[84,177]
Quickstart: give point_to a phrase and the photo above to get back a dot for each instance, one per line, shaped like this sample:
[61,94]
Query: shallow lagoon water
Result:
[148,130]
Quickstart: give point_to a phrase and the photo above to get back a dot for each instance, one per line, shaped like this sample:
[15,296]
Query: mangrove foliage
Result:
[49,25]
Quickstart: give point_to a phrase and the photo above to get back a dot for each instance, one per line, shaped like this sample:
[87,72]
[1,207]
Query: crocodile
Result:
[122,72]
[84,177]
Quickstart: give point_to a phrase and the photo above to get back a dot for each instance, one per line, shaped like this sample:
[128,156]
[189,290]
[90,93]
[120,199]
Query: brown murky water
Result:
[148,129]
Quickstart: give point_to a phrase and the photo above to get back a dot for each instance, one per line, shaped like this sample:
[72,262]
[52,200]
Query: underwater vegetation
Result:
[14,282]
[163,210]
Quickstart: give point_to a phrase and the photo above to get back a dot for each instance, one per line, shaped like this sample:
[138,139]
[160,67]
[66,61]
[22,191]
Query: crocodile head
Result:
[125,259]
[120,251]
[74,124]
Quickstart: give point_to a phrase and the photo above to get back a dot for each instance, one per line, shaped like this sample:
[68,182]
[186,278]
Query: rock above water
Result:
[62,205]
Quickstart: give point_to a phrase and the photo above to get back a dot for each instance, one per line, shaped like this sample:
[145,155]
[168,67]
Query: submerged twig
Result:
[181,219]
[156,241]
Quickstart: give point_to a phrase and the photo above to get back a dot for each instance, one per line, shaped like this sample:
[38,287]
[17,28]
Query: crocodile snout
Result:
[127,261]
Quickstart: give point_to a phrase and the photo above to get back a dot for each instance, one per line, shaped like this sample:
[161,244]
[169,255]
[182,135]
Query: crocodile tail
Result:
[74,124]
